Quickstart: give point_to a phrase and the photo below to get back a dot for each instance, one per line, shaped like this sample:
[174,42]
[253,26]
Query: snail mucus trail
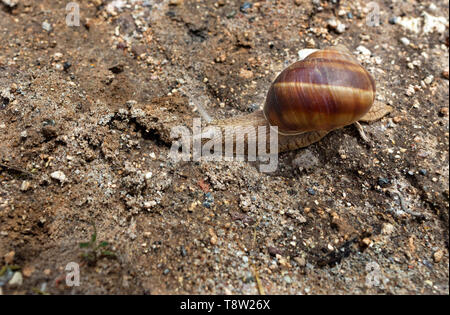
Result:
[327,90]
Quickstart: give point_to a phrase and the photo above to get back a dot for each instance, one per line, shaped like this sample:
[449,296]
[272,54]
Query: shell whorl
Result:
[329,89]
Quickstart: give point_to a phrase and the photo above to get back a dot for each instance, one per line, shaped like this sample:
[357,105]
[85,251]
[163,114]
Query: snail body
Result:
[327,90]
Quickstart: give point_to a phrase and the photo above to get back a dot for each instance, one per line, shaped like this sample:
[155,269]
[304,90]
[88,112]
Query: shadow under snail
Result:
[327,90]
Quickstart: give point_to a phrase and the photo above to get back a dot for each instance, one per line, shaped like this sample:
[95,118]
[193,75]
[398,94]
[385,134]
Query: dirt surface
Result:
[85,116]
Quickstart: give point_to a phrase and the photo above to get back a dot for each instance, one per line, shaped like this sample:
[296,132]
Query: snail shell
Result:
[329,89]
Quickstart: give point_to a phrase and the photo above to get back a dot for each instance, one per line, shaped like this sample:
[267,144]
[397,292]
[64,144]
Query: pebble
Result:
[433,24]
[410,91]
[393,20]
[66,65]
[311,191]
[25,186]
[16,280]
[405,41]
[409,23]
[166,271]
[300,261]
[445,74]
[363,50]
[383,181]
[245,6]
[337,26]
[423,172]
[183,251]
[58,175]
[246,74]
[437,256]
[340,28]
[287,279]
[387,229]
[10,3]
[47,26]
[429,79]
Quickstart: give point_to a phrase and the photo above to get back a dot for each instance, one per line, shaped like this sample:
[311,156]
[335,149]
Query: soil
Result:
[85,118]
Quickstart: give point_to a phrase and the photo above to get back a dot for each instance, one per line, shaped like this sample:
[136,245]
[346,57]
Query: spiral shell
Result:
[329,89]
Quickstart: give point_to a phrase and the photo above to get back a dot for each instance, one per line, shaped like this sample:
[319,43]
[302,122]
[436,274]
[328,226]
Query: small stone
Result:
[383,181]
[387,229]
[300,261]
[437,256]
[332,23]
[393,20]
[246,74]
[24,134]
[410,91]
[47,26]
[10,3]
[9,257]
[445,74]
[213,236]
[429,79]
[311,191]
[363,50]
[57,56]
[273,251]
[397,119]
[175,2]
[367,241]
[433,24]
[58,175]
[423,172]
[183,251]
[66,65]
[16,280]
[148,175]
[245,6]
[59,67]
[340,28]
[287,279]
[166,271]
[432,7]
[405,41]
[47,272]
[25,186]
[298,2]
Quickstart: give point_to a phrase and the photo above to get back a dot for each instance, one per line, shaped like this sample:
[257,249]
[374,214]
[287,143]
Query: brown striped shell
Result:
[329,89]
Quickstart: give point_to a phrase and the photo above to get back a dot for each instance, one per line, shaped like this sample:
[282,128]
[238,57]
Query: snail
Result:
[327,90]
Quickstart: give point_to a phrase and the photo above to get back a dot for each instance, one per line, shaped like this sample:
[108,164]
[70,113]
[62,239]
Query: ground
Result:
[85,117]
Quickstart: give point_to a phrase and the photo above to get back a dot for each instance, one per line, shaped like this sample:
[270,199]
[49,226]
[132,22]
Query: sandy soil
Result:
[85,116]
